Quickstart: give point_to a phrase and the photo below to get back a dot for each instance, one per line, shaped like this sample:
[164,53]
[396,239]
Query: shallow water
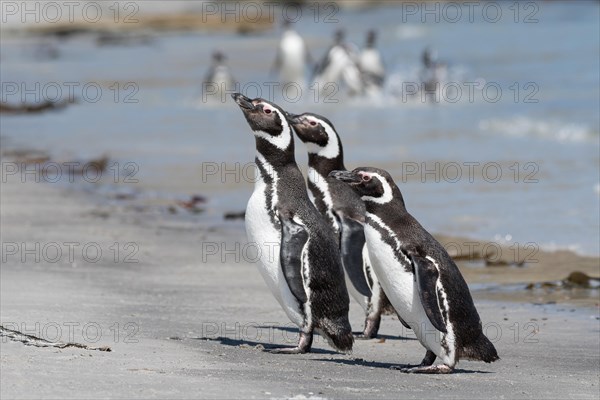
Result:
[445,157]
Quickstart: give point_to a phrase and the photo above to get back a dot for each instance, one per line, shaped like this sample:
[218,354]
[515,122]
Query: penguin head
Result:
[218,57]
[371,38]
[266,119]
[339,36]
[317,133]
[372,184]
[429,57]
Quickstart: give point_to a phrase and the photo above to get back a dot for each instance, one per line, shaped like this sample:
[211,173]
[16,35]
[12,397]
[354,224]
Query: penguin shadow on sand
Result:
[380,337]
[393,366]
[290,335]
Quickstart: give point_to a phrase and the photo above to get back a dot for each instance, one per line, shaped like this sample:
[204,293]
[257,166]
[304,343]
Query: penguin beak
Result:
[345,176]
[243,101]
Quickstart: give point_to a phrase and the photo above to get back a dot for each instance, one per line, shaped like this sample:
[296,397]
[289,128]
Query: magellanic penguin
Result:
[345,211]
[371,64]
[218,80]
[292,57]
[305,275]
[434,72]
[419,277]
[339,64]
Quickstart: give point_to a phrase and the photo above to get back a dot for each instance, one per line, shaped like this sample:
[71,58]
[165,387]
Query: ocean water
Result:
[515,160]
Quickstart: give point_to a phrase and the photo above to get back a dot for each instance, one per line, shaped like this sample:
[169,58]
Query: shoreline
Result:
[502,272]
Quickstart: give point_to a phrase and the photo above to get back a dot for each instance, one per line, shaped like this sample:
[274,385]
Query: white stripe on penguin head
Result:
[332,148]
[387,195]
[281,141]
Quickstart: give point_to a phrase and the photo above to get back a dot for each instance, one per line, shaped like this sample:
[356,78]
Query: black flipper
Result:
[403,322]
[427,275]
[293,239]
[320,66]
[352,243]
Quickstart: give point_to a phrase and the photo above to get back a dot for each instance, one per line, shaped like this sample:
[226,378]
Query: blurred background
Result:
[486,114]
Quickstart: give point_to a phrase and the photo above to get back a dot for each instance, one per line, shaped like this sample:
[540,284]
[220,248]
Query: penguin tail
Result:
[338,333]
[481,349]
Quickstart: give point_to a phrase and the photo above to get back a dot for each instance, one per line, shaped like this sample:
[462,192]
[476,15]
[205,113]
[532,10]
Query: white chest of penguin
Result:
[263,234]
[293,50]
[401,288]
[396,281]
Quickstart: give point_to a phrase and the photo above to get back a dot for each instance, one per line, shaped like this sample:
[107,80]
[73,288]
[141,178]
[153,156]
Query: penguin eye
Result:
[313,123]
[366,178]
[267,111]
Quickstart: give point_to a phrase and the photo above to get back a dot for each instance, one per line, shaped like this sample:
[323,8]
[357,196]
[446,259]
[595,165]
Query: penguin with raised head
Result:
[292,57]
[218,80]
[305,274]
[339,64]
[345,211]
[371,64]
[422,282]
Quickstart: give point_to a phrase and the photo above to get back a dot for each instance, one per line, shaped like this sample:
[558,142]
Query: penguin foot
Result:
[287,350]
[428,359]
[426,366]
[304,346]
[371,328]
[429,369]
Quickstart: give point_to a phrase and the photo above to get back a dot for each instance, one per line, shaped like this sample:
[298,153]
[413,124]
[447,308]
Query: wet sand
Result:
[179,327]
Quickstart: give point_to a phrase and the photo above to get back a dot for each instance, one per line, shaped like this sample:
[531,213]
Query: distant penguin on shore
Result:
[340,65]
[434,72]
[218,80]
[292,57]
[345,211]
[371,64]
[421,280]
[305,273]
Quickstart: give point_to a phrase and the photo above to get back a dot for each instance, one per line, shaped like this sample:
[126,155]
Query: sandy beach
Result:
[179,326]
[134,278]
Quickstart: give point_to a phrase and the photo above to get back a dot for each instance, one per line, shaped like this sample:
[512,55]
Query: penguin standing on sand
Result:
[292,57]
[419,277]
[434,72]
[300,260]
[340,63]
[371,64]
[218,80]
[345,211]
